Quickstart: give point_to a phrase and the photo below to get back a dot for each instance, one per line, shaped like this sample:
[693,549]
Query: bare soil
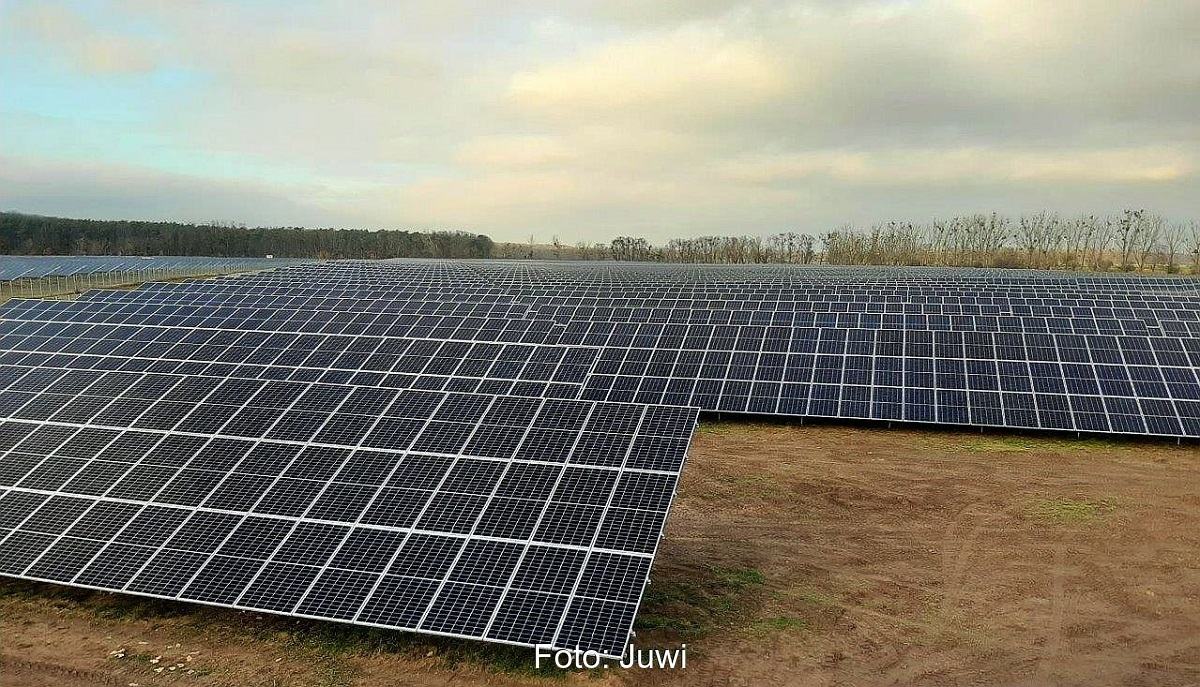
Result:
[816,555]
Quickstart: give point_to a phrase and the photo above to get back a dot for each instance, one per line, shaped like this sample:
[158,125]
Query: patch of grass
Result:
[340,640]
[779,623]
[335,671]
[1069,510]
[819,599]
[1002,443]
[738,578]
[117,607]
[736,427]
[714,597]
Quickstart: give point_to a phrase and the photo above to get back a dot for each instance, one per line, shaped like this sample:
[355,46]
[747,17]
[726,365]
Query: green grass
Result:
[779,623]
[714,597]
[738,578]
[1004,444]
[1068,510]
[819,599]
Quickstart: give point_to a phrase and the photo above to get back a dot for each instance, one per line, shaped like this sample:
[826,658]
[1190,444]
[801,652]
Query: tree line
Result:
[22,234]
[1132,240]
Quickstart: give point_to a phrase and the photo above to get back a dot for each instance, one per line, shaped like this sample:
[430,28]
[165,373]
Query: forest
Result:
[22,234]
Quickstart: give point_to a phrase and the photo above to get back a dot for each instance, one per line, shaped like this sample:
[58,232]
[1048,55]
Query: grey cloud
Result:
[117,192]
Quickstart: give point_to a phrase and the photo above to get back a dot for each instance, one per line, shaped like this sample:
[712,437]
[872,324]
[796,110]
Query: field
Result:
[814,555]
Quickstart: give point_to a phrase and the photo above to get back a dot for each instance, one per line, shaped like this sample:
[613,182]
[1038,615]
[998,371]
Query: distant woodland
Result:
[22,234]
[1131,240]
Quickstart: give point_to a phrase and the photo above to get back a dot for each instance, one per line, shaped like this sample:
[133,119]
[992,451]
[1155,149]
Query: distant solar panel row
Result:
[35,266]
[362,360]
[276,320]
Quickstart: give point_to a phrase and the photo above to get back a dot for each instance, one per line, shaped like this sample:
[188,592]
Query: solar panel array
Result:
[986,348]
[490,449]
[429,472]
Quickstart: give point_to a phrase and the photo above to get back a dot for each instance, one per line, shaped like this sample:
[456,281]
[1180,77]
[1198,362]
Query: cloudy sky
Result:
[588,120]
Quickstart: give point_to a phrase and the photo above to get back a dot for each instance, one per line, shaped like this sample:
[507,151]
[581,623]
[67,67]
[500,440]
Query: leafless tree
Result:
[806,247]
[1128,226]
[1194,245]
[1103,236]
[1134,239]
[1150,231]
[1040,236]
[1174,236]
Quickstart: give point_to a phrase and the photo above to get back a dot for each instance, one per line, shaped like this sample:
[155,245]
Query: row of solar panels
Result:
[534,272]
[311,329]
[793,301]
[651,310]
[821,372]
[734,297]
[14,267]
[799,309]
[472,322]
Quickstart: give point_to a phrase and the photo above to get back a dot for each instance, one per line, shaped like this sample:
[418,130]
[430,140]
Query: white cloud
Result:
[909,167]
[696,71]
[503,152]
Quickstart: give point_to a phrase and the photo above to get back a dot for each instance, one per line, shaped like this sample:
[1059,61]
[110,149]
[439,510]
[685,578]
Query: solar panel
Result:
[519,520]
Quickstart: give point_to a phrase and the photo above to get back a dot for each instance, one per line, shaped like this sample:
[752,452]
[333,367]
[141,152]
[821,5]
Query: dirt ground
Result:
[816,555]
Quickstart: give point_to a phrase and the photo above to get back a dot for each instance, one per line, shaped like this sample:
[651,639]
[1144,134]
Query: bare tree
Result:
[1128,226]
[1174,235]
[1104,234]
[806,248]
[1040,237]
[1150,231]
[1194,245]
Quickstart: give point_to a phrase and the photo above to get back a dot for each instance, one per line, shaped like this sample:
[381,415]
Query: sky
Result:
[585,120]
